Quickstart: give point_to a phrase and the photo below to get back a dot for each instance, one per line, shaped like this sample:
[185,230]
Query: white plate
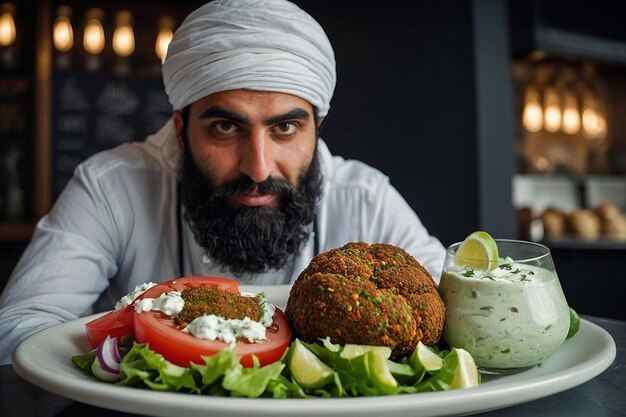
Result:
[45,360]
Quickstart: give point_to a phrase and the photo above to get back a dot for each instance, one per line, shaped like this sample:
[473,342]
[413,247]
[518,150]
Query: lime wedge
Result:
[307,369]
[403,372]
[379,372]
[479,251]
[351,350]
[574,323]
[458,371]
[466,373]
[424,358]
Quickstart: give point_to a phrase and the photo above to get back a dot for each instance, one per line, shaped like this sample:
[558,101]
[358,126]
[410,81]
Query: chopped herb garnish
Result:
[262,302]
[508,267]
[469,272]
[507,350]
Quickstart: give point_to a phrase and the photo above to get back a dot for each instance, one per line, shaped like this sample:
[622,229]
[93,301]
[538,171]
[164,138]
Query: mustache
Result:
[245,185]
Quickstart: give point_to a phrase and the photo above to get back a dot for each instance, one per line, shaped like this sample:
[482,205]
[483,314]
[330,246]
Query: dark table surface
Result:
[602,396]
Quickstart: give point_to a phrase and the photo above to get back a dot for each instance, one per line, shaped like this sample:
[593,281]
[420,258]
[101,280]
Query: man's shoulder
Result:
[354,174]
[132,155]
[154,154]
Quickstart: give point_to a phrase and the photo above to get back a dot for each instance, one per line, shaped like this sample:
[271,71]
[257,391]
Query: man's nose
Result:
[256,158]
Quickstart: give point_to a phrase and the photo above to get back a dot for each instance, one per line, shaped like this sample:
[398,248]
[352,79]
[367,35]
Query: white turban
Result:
[266,45]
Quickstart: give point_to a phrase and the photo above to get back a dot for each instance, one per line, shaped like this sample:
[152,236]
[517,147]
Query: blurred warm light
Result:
[62,32]
[124,37]
[551,109]
[571,116]
[93,38]
[602,131]
[166,33]
[568,101]
[532,117]
[601,123]
[7,24]
[540,163]
[593,120]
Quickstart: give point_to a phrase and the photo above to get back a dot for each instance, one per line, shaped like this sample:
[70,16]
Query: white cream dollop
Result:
[132,296]
[214,327]
[170,303]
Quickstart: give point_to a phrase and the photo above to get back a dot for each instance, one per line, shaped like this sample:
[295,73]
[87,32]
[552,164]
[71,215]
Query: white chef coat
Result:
[115,226]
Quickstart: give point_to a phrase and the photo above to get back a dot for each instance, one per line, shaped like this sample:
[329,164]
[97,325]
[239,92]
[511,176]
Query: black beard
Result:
[249,239]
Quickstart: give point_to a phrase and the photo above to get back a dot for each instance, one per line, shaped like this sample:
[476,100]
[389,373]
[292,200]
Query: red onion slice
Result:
[109,355]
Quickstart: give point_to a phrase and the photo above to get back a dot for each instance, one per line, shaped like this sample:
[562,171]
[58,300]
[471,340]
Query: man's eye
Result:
[225,126]
[286,128]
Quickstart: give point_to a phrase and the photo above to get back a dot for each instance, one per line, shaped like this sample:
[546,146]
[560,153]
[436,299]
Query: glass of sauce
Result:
[511,317]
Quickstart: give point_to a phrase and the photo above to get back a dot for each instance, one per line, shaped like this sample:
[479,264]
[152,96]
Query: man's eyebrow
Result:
[224,114]
[220,112]
[296,113]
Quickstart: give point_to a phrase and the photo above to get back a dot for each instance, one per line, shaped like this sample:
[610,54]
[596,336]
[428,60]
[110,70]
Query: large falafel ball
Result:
[367,294]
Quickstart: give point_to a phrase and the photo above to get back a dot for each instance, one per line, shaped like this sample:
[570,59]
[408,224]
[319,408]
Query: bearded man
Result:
[237,184]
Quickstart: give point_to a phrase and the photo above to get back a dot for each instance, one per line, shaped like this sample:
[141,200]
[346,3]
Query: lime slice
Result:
[458,371]
[353,350]
[479,251]
[424,358]
[466,373]
[307,369]
[574,323]
[403,372]
[379,372]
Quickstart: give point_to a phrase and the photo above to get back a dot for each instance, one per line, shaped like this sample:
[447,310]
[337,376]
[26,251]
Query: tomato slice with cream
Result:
[164,337]
[119,323]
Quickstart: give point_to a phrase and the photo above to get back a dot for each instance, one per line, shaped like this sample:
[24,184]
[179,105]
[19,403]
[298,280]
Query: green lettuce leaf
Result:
[85,361]
[142,366]
[214,368]
[281,387]
[250,382]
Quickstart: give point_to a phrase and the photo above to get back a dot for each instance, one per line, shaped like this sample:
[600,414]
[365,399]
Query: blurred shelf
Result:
[578,29]
[16,231]
[570,242]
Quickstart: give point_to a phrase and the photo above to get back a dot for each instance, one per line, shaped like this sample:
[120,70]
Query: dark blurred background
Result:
[439,95]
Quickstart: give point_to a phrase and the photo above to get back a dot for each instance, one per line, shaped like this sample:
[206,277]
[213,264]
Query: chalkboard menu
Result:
[17,88]
[16,93]
[94,112]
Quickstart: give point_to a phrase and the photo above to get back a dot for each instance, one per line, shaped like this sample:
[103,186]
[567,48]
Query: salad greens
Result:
[366,374]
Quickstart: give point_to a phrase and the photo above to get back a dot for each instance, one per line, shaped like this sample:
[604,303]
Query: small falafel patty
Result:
[367,294]
[202,301]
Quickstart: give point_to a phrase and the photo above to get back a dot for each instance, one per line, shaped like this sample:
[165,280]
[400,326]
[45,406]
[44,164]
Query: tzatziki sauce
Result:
[512,317]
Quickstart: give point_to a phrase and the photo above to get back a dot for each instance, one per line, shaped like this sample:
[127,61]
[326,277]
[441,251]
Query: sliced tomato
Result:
[117,323]
[163,336]
[120,322]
